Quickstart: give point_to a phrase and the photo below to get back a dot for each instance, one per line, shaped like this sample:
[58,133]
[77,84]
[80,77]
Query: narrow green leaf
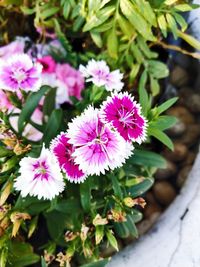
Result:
[29,107]
[128,228]
[43,263]
[141,188]
[49,12]
[163,107]
[155,87]
[116,185]
[85,193]
[189,39]
[163,122]
[53,126]
[183,7]
[96,37]
[125,26]
[145,49]
[112,240]
[112,43]
[162,24]
[161,136]
[101,263]
[49,102]
[143,96]
[172,24]
[157,69]
[181,21]
[146,11]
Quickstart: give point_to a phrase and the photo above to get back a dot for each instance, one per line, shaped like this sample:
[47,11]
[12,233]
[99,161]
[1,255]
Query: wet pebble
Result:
[164,192]
[193,103]
[182,176]
[191,135]
[182,113]
[178,154]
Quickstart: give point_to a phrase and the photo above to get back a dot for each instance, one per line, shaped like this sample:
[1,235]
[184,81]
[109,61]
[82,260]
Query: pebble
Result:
[180,152]
[184,94]
[164,192]
[193,103]
[169,171]
[182,113]
[189,159]
[191,135]
[177,129]
[146,224]
[150,209]
[182,176]
[179,76]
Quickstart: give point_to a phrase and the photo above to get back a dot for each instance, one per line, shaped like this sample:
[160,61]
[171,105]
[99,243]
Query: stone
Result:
[164,192]
[191,135]
[150,209]
[193,103]
[182,113]
[184,93]
[177,129]
[180,152]
[189,159]
[169,171]
[179,76]
[145,225]
[182,176]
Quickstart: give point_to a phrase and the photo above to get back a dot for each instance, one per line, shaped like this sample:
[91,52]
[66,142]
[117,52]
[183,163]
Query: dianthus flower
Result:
[97,146]
[40,177]
[63,152]
[19,72]
[48,64]
[99,73]
[125,116]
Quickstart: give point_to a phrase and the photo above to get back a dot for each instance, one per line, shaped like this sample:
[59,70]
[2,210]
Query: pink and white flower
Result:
[19,72]
[15,47]
[48,64]
[40,177]
[63,151]
[125,116]
[97,146]
[5,104]
[99,73]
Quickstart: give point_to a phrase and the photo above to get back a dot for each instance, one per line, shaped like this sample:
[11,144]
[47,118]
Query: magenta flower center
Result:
[127,118]
[40,170]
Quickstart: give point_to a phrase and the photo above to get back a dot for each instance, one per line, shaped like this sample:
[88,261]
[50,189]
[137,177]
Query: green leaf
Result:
[181,21]
[134,71]
[141,188]
[112,43]
[96,37]
[49,102]
[112,240]
[116,185]
[162,24]
[147,158]
[155,87]
[53,126]
[145,49]
[146,11]
[99,234]
[138,22]
[163,122]
[43,263]
[163,107]
[99,18]
[189,39]
[29,107]
[125,26]
[143,96]
[85,194]
[49,12]
[157,69]
[21,254]
[126,229]
[172,24]
[183,7]
[101,263]
[162,137]
[27,11]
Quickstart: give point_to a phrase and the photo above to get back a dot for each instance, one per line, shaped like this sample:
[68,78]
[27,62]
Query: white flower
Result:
[40,177]
[99,73]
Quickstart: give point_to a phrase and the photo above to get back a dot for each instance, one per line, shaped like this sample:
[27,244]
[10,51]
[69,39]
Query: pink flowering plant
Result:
[75,159]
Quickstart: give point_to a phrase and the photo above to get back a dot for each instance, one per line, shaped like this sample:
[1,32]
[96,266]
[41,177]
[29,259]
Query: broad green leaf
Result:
[189,39]
[163,107]
[162,137]
[138,22]
[53,126]
[96,37]
[85,193]
[29,107]
[136,215]
[97,19]
[147,159]
[112,43]
[172,24]
[155,87]
[125,26]
[163,122]
[101,263]
[112,240]
[21,254]
[143,96]
[140,188]
[157,69]
[162,24]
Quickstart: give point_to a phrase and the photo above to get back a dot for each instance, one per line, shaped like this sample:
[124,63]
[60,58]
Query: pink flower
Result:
[40,177]
[15,47]
[125,116]
[72,79]
[63,152]
[5,104]
[99,73]
[19,72]
[97,146]
[48,63]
